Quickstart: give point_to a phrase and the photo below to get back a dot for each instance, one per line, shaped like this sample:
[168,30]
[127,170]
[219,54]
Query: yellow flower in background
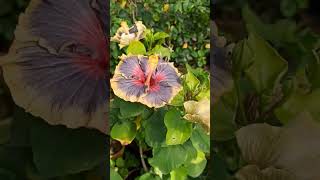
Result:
[207,46]
[185,46]
[198,112]
[125,35]
[123,3]
[166,7]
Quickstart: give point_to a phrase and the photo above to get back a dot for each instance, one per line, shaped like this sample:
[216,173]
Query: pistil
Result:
[152,65]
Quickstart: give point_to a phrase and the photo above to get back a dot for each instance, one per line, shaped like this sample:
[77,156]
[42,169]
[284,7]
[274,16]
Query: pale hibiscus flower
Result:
[125,35]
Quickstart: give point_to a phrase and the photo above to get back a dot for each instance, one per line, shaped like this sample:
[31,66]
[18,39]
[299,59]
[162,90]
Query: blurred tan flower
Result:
[125,35]
[198,112]
[291,152]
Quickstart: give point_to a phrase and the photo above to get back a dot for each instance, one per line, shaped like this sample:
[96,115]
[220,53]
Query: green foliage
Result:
[178,130]
[9,12]
[179,148]
[136,48]
[37,149]
[174,18]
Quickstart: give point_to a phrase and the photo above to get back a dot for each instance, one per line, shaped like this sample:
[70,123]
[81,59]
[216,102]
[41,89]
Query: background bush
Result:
[186,21]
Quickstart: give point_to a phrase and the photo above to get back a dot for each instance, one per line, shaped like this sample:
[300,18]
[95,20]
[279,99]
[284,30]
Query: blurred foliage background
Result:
[9,13]
[275,69]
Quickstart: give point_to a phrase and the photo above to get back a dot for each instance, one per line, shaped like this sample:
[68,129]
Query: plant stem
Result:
[142,159]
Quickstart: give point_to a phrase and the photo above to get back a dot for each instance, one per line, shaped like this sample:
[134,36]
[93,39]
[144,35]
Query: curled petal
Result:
[198,112]
[289,148]
[125,35]
[258,143]
[56,67]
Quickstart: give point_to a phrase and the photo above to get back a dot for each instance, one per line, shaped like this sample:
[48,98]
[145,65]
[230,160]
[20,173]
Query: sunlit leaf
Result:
[124,131]
[136,48]
[178,130]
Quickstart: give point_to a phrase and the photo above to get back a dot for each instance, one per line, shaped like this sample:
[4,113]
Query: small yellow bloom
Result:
[207,46]
[166,7]
[185,46]
[123,3]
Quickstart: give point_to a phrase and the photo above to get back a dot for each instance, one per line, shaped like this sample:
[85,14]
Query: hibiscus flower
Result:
[57,65]
[148,80]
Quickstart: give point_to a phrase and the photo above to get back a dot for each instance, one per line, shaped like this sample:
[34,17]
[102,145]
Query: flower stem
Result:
[142,158]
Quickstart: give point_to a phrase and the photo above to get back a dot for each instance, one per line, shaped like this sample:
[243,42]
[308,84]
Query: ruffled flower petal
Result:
[130,81]
[57,66]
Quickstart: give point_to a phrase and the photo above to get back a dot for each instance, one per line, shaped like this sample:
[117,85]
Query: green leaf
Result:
[7,175]
[124,131]
[169,158]
[288,8]
[179,174]
[155,130]
[160,35]
[297,103]
[20,129]
[14,161]
[114,175]
[283,31]
[191,80]
[197,165]
[149,176]
[267,67]
[224,124]
[120,162]
[5,126]
[200,140]
[129,109]
[178,130]
[205,94]
[178,100]
[161,51]
[136,48]
[219,168]
[58,150]
[6,7]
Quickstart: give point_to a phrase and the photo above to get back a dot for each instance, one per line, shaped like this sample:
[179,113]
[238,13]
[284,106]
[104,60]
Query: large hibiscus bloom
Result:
[148,80]
[57,66]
